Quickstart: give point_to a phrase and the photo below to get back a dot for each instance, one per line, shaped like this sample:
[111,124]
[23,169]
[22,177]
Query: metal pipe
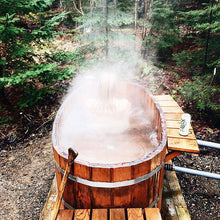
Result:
[209,144]
[192,171]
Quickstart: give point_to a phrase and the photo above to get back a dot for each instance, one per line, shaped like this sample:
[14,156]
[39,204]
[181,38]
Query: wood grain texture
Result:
[99,214]
[168,103]
[171,155]
[174,206]
[186,145]
[152,214]
[159,98]
[173,109]
[174,124]
[173,116]
[135,214]
[65,215]
[174,132]
[117,214]
[82,214]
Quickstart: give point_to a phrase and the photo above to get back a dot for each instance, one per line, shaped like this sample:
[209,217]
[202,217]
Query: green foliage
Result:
[190,28]
[24,24]
[4,120]
[204,27]
[200,93]
[164,29]
[100,30]
[125,5]
[190,59]
[64,57]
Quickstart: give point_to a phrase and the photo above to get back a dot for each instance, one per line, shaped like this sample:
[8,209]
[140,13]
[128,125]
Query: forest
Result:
[44,44]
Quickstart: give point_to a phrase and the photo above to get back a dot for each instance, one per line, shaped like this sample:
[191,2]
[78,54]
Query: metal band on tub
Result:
[68,206]
[111,184]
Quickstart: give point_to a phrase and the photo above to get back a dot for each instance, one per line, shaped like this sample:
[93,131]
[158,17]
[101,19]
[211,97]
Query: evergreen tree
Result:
[203,28]
[163,30]
[102,27]
[23,25]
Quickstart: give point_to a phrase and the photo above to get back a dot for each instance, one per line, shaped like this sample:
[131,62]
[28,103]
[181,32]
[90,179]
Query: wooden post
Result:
[72,156]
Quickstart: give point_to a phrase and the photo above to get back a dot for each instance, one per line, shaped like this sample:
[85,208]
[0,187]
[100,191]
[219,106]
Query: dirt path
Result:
[26,176]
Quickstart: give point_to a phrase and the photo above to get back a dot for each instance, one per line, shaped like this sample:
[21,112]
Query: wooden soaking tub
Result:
[135,183]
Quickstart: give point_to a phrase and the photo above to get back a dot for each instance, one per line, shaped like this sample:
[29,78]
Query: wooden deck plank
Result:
[135,214]
[173,203]
[152,214]
[174,124]
[65,214]
[173,109]
[168,103]
[186,145]
[99,214]
[173,116]
[82,214]
[174,132]
[50,202]
[163,98]
[117,214]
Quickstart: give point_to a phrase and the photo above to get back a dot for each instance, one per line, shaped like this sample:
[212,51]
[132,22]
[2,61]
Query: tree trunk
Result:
[135,14]
[106,28]
[207,41]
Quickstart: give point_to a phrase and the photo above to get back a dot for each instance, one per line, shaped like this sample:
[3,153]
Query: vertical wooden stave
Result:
[82,194]
[101,196]
[120,195]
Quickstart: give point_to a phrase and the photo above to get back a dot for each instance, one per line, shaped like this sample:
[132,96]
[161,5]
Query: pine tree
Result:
[202,23]
[24,24]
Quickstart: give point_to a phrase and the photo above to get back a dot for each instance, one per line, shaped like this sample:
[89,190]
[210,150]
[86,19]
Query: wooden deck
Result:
[173,113]
[173,204]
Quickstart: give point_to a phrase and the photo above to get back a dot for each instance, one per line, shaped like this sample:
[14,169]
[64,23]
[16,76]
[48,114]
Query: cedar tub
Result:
[130,184]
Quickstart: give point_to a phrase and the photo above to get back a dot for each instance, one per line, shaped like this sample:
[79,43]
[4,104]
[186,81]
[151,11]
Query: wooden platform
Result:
[173,113]
[111,214]
[173,203]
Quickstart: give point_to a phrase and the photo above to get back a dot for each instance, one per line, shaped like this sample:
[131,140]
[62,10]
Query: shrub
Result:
[200,93]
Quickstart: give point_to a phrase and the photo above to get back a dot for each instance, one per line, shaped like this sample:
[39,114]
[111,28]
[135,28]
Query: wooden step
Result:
[112,214]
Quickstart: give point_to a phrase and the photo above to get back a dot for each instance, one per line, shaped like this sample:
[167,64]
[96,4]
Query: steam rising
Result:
[103,117]
[104,121]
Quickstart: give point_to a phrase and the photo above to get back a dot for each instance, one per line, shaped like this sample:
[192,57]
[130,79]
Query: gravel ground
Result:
[26,177]
[201,194]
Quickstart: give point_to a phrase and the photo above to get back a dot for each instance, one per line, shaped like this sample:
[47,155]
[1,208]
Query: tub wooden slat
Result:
[121,197]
